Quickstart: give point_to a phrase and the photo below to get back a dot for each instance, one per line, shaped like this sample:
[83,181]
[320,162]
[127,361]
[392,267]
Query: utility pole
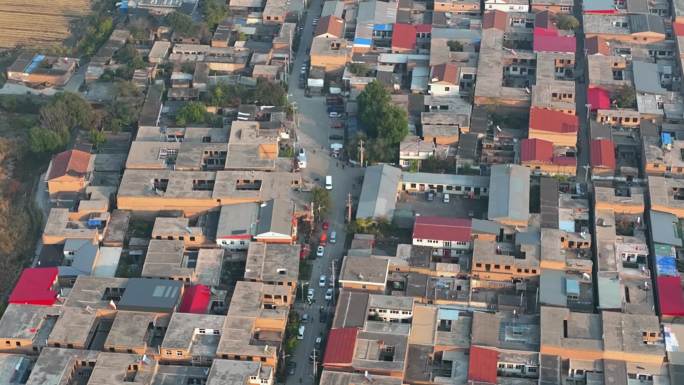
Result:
[314,364]
[361,150]
[349,207]
[332,276]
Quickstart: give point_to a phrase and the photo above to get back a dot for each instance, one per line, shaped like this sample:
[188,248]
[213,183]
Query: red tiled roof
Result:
[447,72]
[340,347]
[495,19]
[404,36]
[332,25]
[538,150]
[423,28]
[548,43]
[552,121]
[195,300]
[35,287]
[678,28]
[71,162]
[602,153]
[670,296]
[442,228]
[482,365]
[599,98]
[564,161]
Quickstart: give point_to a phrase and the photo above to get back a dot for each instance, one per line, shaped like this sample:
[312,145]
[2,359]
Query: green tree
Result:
[181,23]
[359,69]
[64,113]
[193,112]
[214,12]
[625,97]
[97,32]
[567,22]
[394,124]
[385,123]
[270,94]
[455,46]
[97,138]
[44,141]
[320,199]
[372,102]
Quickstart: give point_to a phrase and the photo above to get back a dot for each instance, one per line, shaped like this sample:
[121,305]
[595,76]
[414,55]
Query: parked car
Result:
[320,251]
[334,114]
[293,368]
[430,195]
[337,124]
[446,198]
[304,319]
[329,294]
[322,280]
[310,294]
[333,237]
[336,137]
[326,226]
[323,240]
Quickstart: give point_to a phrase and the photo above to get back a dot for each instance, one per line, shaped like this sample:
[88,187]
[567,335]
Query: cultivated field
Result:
[38,23]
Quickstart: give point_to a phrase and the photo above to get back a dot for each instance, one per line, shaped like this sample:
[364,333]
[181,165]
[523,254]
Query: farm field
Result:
[38,23]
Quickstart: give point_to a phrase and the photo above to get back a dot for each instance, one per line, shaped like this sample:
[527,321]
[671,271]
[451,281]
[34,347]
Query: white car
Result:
[446,198]
[310,295]
[315,21]
[333,237]
[320,251]
[322,280]
[329,294]
[334,114]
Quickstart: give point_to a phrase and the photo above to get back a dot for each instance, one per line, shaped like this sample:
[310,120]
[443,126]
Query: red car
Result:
[326,226]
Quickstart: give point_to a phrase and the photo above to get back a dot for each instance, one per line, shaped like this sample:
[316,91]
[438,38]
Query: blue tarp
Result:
[92,223]
[666,266]
[362,41]
[34,63]
[382,27]
[445,313]
[572,287]
[666,138]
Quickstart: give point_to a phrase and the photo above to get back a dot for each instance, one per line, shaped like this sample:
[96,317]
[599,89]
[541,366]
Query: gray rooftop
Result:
[379,192]
[231,372]
[272,262]
[509,193]
[151,294]
[364,269]
[237,220]
[647,77]
[664,228]
[182,333]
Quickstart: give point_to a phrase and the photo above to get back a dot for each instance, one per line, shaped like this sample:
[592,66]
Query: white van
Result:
[301,159]
[328,182]
[300,334]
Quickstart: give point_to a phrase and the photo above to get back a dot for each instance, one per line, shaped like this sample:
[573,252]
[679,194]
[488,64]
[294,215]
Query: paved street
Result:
[581,99]
[314,130]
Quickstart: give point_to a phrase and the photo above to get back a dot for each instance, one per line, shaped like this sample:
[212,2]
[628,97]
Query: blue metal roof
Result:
[382,27]
[572,287]
[362,41]
[445,313]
